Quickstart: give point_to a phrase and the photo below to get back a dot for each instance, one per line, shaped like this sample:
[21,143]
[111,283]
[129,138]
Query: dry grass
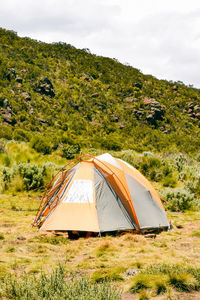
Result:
[25,249]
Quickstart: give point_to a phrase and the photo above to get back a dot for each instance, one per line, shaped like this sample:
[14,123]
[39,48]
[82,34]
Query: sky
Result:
[161,38]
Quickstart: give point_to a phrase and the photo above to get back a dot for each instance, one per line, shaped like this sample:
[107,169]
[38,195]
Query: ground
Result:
[25,249]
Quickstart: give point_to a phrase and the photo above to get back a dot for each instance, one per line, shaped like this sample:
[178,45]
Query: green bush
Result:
[7,175]
[194,186]
[69,151]
[41,145]
[2,147]
[27,176]
[32,174]
[6,132]
[20,135]
[169,181]
[111,142]
[179,199]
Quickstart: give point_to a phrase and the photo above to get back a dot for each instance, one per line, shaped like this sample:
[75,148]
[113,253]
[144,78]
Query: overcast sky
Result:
[159,37]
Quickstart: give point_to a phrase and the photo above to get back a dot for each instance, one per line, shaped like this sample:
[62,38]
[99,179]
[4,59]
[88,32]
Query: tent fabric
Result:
[111,212]
[99,195]
[149,213]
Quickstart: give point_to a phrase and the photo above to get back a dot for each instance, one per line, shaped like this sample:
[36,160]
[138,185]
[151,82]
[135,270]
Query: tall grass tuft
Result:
[55,286]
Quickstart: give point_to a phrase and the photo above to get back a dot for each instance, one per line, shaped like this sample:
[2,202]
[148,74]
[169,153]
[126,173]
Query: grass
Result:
[56,286]
[165,265]
[114,274]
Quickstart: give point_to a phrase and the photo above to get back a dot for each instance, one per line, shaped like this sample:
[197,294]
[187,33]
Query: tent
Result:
[101,194]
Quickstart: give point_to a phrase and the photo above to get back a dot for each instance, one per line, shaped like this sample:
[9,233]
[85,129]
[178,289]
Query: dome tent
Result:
[101,194]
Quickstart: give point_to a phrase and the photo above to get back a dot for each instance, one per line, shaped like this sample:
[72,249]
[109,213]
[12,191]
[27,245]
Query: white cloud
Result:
[161,38]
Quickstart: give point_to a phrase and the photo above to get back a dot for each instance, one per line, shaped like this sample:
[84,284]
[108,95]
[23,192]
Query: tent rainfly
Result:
[101,194]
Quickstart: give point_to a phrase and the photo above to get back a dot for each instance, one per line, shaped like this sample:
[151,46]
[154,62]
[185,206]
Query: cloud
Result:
[159,38]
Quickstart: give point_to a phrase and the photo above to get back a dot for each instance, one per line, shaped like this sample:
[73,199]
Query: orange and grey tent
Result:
[101,194]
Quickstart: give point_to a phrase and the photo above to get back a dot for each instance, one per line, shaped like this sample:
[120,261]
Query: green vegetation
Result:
[55,95]
[55,286]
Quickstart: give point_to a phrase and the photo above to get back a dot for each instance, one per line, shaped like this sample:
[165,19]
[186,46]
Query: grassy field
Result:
[39,265]
[134,263]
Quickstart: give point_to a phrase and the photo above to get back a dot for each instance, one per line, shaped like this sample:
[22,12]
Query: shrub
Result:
[7,175]
[41,145]
[2,147]
[69,151]
[194,186]
[20,135]
[32,175]
[169,181]
[6,132]
[27,176]
[111,143]
[179,199]
[150,166]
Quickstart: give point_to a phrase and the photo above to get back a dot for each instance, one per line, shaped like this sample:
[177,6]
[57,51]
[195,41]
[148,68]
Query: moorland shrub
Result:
[32,176]
[6,132]
[20,135]
[69,151]
[41,144]
[2,147]
[179,199]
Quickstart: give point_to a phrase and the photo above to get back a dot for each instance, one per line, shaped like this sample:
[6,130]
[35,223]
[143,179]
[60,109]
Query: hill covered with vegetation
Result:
[54,95]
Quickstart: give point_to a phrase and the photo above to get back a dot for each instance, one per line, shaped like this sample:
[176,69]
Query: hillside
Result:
[70,96]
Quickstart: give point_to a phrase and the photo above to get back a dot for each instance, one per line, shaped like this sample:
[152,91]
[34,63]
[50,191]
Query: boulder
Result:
[45,87]
[26,96]
[137,85]
[132,272]
[151,110]
[19,80]
[11,74]
[4,103]
[193,110]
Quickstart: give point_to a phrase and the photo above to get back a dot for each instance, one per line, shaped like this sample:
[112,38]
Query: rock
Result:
[151,110]
[21,238]
[11,74]
[4,103]
[129,100]
[121,126]
[179,226]
[137,84]
[19,80]
[193,111]
[95,95]
[26,96]
[94,123]
[7,117]
[150,236]
[114,118]
[132,272]
[45,87]
[87,77]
